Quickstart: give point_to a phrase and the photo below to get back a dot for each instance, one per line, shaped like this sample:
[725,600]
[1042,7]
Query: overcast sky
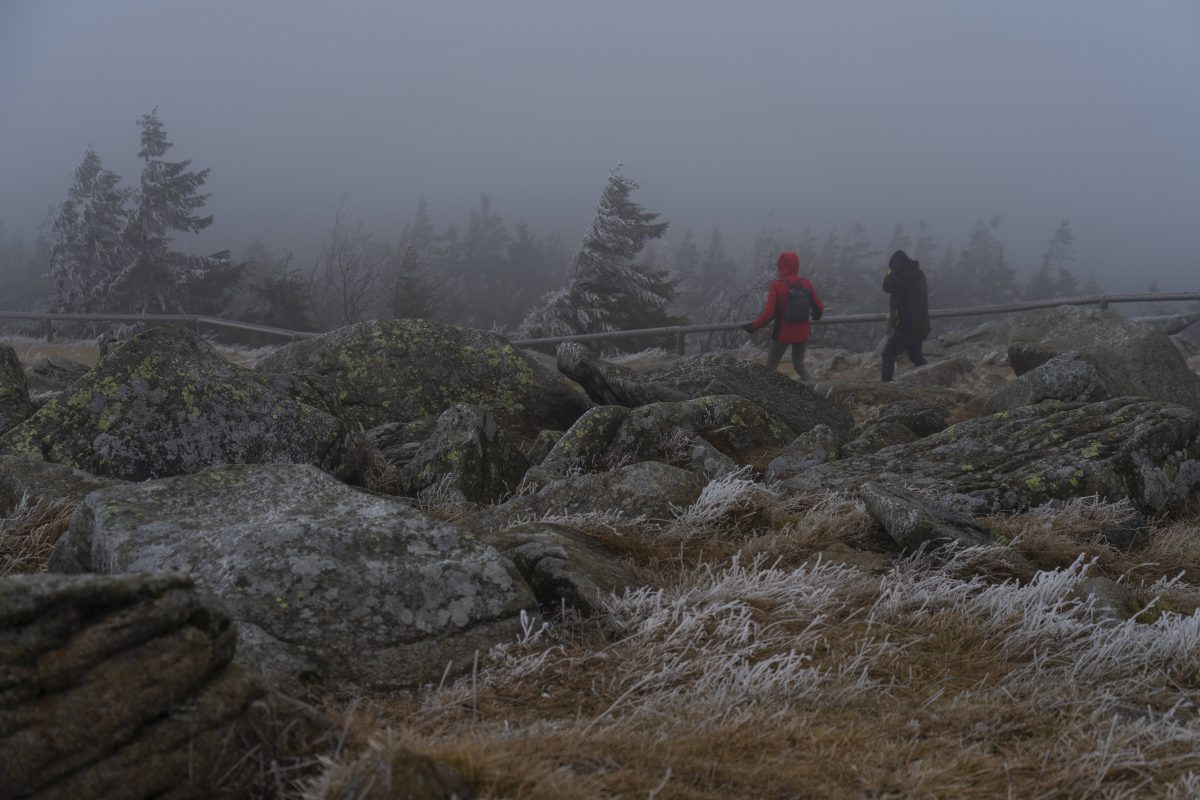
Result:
[821,112]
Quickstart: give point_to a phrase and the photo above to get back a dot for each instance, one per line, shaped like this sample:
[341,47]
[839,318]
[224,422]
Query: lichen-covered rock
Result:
[44,483]
[166,404]
[875,436]
[122,687]
[793,403]
[913,522]
[52,373]
[923,420]
[402,370]
[650,489]
[543,443]
[1068,377]
[14,390]
[468,456]
[939,373]
[607,383]
[710,435]
[361,586]
[1136,359]
[1126,448]
[563,565]
[813,447]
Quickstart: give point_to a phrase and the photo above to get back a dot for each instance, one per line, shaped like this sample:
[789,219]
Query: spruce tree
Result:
[606,290]
[686,268]
[89,251]
[717,270]
[168,201]
[412,293]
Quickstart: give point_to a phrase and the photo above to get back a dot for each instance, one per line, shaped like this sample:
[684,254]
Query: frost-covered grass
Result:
[756,663]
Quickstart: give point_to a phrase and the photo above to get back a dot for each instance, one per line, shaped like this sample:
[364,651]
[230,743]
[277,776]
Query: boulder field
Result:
[371,509]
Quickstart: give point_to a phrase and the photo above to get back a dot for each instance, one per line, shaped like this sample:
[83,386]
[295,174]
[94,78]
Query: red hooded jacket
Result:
[777,300]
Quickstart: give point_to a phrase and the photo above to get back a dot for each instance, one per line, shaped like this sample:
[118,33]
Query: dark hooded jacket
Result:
[777,302]
[905,282]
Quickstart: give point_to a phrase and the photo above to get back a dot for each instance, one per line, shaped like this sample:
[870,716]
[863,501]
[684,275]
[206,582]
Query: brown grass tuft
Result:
[28,535]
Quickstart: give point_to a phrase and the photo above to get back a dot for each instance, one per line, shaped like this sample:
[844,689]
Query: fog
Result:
[820,113]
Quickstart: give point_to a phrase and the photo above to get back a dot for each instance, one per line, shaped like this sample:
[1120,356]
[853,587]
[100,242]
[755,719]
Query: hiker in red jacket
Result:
[789,328]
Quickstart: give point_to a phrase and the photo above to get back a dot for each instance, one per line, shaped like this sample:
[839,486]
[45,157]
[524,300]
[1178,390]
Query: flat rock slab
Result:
[357,586]
[1126,448]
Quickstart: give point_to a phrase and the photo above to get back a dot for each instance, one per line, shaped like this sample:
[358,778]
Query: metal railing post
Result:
[48,329]
[681,343]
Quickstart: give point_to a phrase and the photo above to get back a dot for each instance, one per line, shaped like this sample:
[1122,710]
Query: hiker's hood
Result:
[900,260]
[788,266]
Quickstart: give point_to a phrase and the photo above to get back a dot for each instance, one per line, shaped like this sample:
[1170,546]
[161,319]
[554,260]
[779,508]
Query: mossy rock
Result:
[1126,448]
[401,370]
[164,404]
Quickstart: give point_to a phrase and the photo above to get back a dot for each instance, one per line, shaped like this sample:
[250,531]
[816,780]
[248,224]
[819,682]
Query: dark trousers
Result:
[896,344]
[775,355]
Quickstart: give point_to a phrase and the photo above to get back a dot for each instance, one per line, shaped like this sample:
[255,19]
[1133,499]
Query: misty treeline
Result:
[110,247]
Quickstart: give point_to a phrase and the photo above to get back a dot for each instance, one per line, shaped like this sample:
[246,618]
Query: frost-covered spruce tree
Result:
[88,249]
[168,201]
[606,290]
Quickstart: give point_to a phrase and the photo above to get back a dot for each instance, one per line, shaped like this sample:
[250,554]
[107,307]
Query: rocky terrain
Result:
[406,560]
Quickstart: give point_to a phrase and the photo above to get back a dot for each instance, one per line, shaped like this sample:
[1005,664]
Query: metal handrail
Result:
[47,319]
[1102,300]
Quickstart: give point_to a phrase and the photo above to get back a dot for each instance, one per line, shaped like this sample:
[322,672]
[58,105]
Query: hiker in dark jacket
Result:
[908,324]
[784,332]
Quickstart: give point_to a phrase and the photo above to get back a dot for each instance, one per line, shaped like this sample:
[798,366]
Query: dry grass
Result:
[28,535]
[751,666]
